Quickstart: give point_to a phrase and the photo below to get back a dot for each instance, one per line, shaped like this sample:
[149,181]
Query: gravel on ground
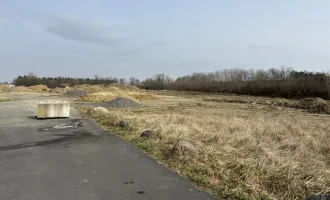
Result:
[119,102]
[75,93]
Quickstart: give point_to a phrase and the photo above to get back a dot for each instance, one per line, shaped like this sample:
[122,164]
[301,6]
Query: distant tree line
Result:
[282,82]
[275,82]
[53,82]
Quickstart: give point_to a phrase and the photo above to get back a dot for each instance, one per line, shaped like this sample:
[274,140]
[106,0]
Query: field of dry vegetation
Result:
[233,149]
[236,147]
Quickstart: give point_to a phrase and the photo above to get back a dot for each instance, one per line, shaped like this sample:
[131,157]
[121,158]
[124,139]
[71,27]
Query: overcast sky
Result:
[123,38]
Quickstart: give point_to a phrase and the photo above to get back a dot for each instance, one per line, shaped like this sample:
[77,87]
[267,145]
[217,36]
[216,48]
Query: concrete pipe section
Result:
[53,109]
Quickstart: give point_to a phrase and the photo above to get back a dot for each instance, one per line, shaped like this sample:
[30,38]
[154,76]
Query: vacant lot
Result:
[234,150]
[237,147]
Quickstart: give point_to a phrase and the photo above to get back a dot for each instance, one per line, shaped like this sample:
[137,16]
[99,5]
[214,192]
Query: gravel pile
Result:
[119,102]
[75,93]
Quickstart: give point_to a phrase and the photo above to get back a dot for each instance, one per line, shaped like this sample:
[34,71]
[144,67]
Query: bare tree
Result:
[132,81]
[122,81]
[31,75]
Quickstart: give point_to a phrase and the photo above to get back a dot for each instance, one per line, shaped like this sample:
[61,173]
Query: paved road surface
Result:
[67,159]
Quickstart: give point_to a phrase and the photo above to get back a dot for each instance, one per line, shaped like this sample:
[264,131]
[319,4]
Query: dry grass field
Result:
[236,150]
[4,89]
[236,147]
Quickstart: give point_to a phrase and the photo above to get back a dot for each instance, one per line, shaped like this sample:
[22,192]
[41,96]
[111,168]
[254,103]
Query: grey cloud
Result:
[87,31]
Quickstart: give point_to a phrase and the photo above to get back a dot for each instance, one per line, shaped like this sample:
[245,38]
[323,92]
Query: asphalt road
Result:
[66,159]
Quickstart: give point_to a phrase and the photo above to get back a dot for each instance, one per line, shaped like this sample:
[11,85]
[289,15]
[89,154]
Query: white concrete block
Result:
[52,109]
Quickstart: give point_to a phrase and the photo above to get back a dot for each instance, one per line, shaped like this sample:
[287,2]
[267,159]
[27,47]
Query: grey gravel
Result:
[75,93]
[119,102]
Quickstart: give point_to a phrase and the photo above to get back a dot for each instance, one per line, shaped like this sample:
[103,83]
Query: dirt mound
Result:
[60,91]
[101,88]
[102,94]
[90,88]
[112,92]
[34,88]
[142,96]
[125,87]
[109,88]
[5,88]
[22,89]
[39,88]
[315,105]
[105,96]
[112,88]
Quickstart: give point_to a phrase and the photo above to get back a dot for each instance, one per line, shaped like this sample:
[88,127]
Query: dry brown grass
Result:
[4,98]
[245,151]
[39,88]
[90,88]
[313,105]
[35,88]
[22,89]
[98,97]
[110,88]
[101,93]
[96,93]
[140,95]
[4,88]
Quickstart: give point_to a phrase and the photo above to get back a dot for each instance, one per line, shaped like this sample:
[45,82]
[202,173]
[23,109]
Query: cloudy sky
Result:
[124,38]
